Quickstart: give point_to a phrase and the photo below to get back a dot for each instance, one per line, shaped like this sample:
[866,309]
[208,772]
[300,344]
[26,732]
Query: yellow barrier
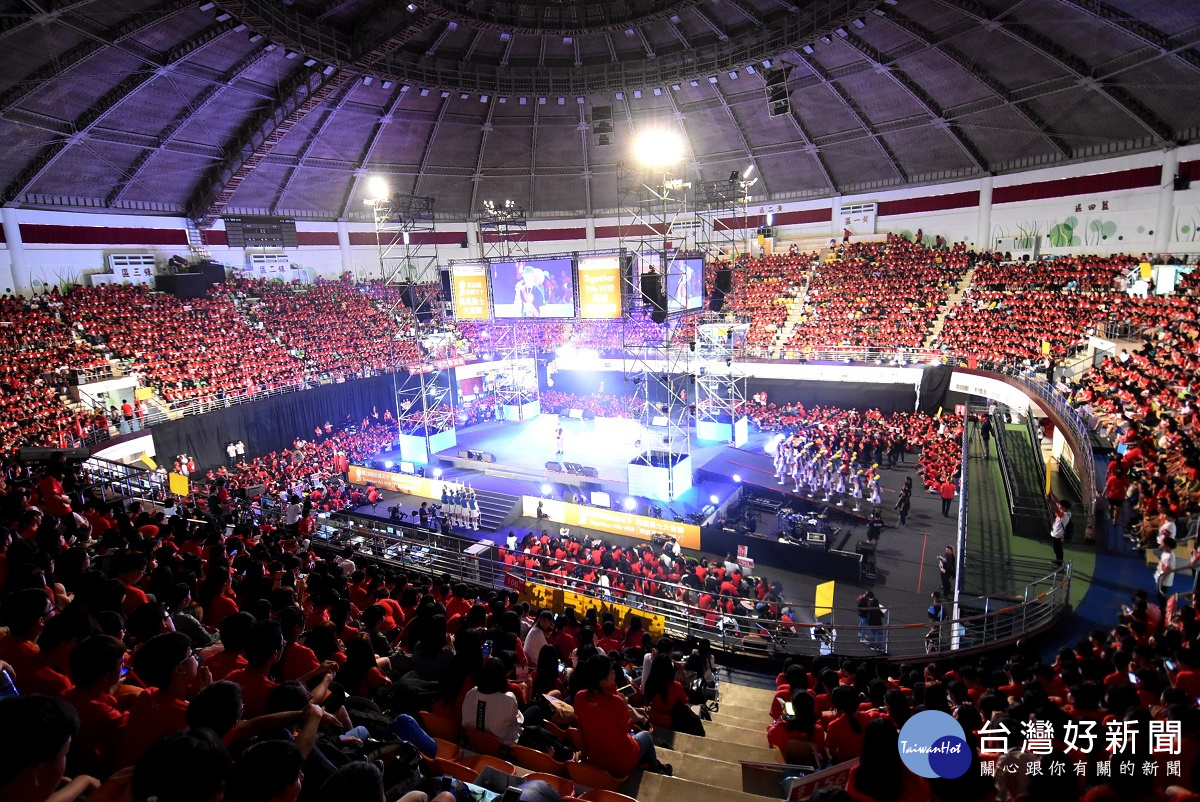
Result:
[557,599]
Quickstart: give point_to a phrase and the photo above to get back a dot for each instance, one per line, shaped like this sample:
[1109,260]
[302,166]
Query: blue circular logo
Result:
[933,744]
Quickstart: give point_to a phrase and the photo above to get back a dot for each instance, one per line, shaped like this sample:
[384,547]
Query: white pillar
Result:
[590,233]
[473,251]
[983,236]
[22,280]
[835,223]
[343,234]
[1165,220]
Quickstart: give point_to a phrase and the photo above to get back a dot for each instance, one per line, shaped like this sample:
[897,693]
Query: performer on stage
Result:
[876,491]
[558,436]
[856,489]
[473,504]
[839,487]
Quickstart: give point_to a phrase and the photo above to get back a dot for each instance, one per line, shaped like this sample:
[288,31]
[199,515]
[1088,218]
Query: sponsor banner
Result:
[400,482]
[551,598]
[614,522]
[470,292]
[437,364]
[834,777]
[599,288]
[514,583]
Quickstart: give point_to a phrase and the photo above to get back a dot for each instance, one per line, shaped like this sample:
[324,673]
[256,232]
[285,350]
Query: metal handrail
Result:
[1003,620]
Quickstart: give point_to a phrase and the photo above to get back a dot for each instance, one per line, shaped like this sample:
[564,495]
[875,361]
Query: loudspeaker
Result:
[406,296]
[724,279]
[589,472]
[654,297]
[462,454]
[36,454]
[1182,182]
[552,465]
[444,276]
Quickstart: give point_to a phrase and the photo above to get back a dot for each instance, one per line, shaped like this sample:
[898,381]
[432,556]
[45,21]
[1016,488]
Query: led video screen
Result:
[599,288]
[533,288]
[470,291]
[685,285]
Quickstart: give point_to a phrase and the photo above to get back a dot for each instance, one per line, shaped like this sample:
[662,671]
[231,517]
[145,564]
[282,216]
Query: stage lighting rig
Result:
[506,212]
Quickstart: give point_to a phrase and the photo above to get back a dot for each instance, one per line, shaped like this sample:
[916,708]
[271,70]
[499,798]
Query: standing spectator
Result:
[1164,575]
[985,431]
[947,493]
[127,416]
[1058,532]
[948,567]
[877,619]
[231,452]
[904,504]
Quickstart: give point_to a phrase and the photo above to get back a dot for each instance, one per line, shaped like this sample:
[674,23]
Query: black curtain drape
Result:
[935,386]
[272,424]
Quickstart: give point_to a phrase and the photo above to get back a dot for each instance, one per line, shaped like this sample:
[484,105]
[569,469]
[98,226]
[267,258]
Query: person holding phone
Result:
[604,718]
[490,706]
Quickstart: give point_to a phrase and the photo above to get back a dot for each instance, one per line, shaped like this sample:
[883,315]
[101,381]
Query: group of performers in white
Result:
[461,506]
[816,473]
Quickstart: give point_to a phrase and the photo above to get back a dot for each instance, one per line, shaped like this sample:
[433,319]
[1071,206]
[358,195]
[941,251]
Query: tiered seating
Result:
[878,295]
[602,406]
[761,290]
[198,350]
[331,327]
[37,350]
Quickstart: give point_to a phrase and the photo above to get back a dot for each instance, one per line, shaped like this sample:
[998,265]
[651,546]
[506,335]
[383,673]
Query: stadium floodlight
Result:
[737,478]
[714,500]
[437,473]
[658,147]
[547,490]
[630,504]
[377,188]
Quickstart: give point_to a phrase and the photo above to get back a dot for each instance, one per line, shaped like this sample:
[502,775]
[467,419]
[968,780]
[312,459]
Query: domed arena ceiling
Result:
[289,106]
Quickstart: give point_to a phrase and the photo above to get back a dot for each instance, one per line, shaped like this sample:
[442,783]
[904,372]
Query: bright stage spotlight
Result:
[377,188]
[547,490]
[737,477]
[658,147]
[630,504]
[389,464]
[773,444]
[714,500]
[437,473]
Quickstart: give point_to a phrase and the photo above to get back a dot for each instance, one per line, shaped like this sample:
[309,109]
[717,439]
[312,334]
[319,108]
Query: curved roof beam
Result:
[854,110]
[299,94]
[1083,73]
[373,139]
[180,121]
[41,77]
[13,23]
[1144,32]
[741,132]
[339,100]
[477,176]
[441,115]
[89,117]
[922,97]
[959,58]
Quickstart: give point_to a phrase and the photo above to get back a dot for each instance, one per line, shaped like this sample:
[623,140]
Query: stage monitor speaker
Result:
[552,465]
[588,415]
[463,454]
[591,473]
[487,457]
[654,297]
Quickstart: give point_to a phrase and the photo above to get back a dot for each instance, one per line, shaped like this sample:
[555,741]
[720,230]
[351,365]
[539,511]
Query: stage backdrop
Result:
[271,424]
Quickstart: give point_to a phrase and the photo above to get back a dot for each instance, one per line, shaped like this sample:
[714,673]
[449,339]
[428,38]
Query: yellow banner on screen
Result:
[613,522]
[600,288]
[470,292]
[556,599]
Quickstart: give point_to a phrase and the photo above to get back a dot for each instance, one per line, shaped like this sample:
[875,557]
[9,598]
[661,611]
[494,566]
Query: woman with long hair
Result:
[604,720]
[880,775]
[490,706]
[846,731]
[803,723]
[668,700]
[360,675]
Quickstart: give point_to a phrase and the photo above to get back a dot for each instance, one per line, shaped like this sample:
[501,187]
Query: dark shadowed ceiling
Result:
[288,106]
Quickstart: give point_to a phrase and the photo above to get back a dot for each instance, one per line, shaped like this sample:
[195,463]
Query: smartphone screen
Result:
[788,710]
[562,667]
[1133,678]
[1169,664]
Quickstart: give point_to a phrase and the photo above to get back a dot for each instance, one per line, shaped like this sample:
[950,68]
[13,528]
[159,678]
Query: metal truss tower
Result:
[723,217]
[655,229]
[406,236]
[720,376]
[502,232]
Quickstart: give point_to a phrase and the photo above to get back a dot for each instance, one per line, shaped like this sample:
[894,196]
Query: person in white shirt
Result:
[231,450]
[1164,575]
[538,636]
[511,542]
[1058,532]
[490,706]
[293,512]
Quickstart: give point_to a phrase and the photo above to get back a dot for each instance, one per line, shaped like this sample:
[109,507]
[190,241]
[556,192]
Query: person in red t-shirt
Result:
[166,666]
[264,647]
[235,634]
[604,720]
[96,669]
[668,700]
[27,612]
[846,732]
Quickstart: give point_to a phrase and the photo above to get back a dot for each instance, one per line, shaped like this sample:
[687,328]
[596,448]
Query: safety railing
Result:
[1001,621]
[132,482]
[1006,470]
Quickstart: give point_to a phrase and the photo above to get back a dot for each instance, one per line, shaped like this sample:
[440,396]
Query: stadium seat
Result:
[480,762]
[458,771]
[564,786]
[447,750]
[440,727]
[534,760]
[483,742]
[592,777]
[601,795]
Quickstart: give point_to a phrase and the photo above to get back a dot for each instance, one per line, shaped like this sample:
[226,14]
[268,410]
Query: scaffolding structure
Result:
[406,237]
[656,228]
[724,218]
[720,373]
[502,229]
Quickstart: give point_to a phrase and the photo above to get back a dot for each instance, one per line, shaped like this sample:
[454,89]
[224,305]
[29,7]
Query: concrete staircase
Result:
[797,312]
[952,300]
